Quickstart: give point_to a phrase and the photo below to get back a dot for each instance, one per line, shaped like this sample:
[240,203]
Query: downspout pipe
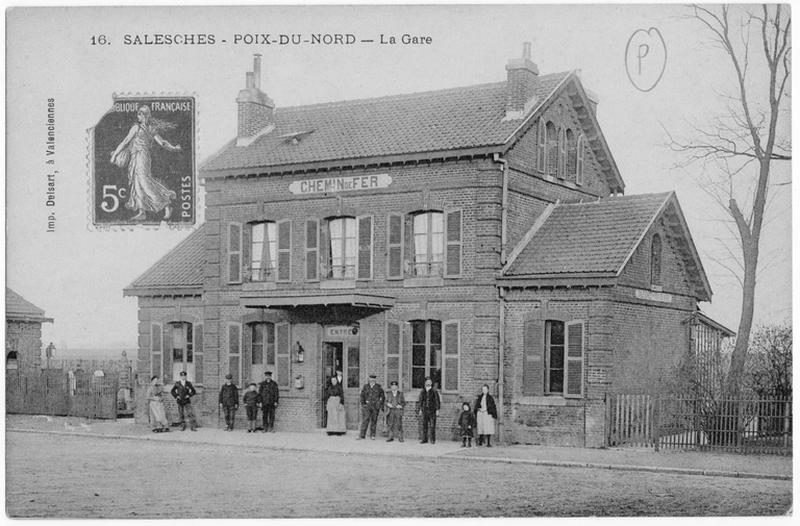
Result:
[501,355]
[503,208]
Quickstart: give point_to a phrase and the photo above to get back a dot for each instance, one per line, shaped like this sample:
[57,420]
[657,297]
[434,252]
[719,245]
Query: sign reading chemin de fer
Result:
[340,184]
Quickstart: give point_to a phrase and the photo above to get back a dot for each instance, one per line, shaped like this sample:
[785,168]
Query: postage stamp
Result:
[142,162]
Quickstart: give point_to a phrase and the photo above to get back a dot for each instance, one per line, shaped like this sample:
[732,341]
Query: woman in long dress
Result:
[146,193]
[486,414]
[158,417]
[334,404]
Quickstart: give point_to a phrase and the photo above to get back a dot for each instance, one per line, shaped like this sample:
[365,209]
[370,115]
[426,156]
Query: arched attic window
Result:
[572,156]
[551,148]
[655,260]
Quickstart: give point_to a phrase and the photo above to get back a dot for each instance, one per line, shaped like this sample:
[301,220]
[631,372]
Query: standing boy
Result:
[229,401]
[395,403]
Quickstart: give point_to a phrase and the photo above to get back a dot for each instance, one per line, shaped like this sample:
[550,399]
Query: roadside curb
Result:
[449,455]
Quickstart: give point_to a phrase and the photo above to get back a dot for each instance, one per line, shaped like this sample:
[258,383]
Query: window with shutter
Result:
[284,250]
[155,350]
[554,339]
[235,352]
[574,360]
[394,346]
[343,248]
[234,253]
[261,251]
[454,235]
[426,352]
[428,243]
[364,247]
[261,358]
[312,250]
[283,354]
[580,161]
[452,345]
[562,154]
[394,246]
[541,150]
[532,358]
[198,354]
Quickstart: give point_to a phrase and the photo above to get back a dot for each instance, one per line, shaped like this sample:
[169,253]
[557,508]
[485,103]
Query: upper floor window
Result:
[263,250]
[428,232]
[579,159]
[655,260]
[551,149]
[343,248]
[572,156]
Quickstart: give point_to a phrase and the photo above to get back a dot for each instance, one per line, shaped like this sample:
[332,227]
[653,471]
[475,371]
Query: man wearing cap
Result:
[372,400]
[428,404]
[339,378]
[182,392]
[229,401]
[395,403]
[268,391]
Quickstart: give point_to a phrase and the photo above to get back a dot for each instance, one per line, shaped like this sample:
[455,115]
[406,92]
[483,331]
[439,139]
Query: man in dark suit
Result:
[268,391]
[229,401]
[372,400]
[428,404]
[395,402]
[182,392]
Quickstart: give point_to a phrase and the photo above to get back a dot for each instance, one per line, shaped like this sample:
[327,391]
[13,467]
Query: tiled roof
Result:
[591,237]
[180,268]
[18,308]
[449,119]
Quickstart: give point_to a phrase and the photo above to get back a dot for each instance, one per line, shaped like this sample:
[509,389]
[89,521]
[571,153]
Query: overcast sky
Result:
[77,275]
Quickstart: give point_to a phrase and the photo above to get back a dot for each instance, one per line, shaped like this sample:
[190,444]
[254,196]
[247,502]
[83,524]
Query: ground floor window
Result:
[426,352]
[11,361]
[555,357]
[262,347]
[182,350]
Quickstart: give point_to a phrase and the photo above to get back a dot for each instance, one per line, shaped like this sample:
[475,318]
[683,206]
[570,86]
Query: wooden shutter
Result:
[364,234]
[324,250]
[541,147]
[533,358]
[247,351]
[579,168]
[453,231]
[408,251]
[156,349]
[283,353]
[167,339]
[198,353]
[394,346]
[394,246]
[562,154]
[235,352]
[573,363]
[234,253]
[452,345]
[247,247]
[284,250]
[312,250]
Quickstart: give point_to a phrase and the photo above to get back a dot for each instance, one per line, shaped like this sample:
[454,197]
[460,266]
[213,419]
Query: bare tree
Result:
[742,145]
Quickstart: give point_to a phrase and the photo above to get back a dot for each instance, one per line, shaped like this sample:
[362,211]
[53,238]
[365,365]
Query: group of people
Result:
[479,420]
[264,396]
[374,400]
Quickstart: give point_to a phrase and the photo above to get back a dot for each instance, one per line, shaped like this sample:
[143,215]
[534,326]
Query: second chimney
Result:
[256,111]
[522,79]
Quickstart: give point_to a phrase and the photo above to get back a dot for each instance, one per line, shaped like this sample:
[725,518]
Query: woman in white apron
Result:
[334,404]
[486,414]
[158,417]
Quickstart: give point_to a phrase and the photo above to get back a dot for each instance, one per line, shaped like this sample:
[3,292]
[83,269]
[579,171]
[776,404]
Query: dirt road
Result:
[70,477]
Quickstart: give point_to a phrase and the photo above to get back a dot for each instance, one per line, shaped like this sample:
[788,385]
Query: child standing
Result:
[467,424]
[251,401]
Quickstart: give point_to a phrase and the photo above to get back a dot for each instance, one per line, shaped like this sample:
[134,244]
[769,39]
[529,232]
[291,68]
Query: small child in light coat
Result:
[467,423]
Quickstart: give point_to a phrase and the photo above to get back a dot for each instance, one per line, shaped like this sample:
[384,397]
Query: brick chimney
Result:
[523,77]
[256,110]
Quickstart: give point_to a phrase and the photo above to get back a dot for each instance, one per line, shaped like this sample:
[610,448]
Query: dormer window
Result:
[551,149]
[572,156]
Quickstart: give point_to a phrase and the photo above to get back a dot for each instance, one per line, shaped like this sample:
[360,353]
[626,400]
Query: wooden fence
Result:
[734,425]
[54,392]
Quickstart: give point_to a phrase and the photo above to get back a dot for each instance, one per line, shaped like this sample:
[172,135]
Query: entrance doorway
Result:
[343,356]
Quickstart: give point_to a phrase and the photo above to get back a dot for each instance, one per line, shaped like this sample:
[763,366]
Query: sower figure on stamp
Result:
[428,405]
[268,390]
[182,392]
[229,401]
[372,400]
[146,193]
[395,402]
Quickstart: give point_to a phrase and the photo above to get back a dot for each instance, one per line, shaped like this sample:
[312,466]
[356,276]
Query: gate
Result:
[53,392]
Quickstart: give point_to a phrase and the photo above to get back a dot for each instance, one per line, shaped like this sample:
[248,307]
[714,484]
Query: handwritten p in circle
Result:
[645,58]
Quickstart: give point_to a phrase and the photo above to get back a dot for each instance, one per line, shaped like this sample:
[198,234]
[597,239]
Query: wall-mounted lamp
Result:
[300,352]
